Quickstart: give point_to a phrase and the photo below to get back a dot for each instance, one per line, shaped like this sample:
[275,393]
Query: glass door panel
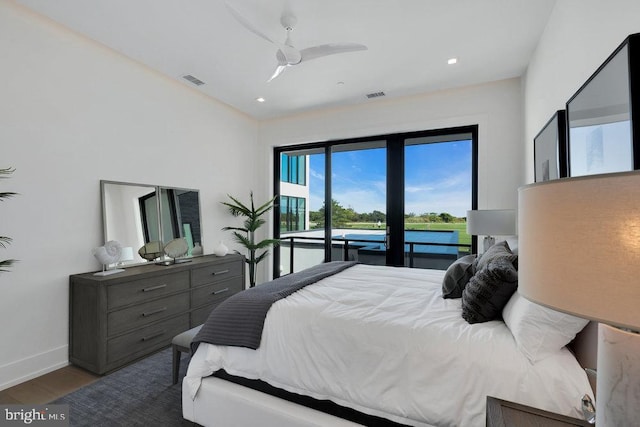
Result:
[437,194]
[358,202]
[302,189]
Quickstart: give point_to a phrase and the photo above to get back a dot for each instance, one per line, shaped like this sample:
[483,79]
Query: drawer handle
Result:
[154,288]
[150,337]
[151,313]
[219,291]
[215,273]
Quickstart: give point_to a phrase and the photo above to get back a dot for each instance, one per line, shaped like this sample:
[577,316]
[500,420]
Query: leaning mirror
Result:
[130,216]
[180,214]
[137,214]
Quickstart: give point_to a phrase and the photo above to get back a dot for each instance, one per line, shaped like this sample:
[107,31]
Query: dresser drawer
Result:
[144,289]
[217,291]
[146,339]
[217,272]
[143,314]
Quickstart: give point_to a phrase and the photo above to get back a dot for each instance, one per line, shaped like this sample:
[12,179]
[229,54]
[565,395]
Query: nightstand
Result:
[501,413]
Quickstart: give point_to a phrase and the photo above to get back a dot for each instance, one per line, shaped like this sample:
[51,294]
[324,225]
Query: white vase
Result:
[197,249]
[221,249]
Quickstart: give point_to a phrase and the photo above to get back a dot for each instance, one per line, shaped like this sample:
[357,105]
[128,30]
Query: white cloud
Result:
[362,200]
[315,174]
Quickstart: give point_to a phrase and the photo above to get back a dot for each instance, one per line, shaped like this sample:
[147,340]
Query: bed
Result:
[382,343]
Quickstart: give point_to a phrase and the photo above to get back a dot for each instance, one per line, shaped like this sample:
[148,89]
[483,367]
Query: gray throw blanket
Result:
[239,320]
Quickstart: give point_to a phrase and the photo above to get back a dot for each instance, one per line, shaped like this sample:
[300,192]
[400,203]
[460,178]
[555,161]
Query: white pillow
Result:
[539,331]
[512,241]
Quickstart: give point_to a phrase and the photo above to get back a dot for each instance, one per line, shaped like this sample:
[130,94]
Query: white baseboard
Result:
[34,366]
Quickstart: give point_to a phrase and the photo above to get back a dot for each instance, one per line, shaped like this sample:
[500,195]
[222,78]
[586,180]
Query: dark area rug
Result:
[140,394]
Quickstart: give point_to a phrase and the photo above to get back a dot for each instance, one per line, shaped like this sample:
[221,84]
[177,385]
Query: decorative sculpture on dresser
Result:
[151,251]
[176,249]
[108,254]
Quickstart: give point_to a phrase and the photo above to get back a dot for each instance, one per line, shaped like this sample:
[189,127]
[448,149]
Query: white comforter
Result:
[383,341]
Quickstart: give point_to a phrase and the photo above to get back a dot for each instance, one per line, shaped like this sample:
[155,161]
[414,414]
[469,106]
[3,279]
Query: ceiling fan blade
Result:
[289,55]
[329,49]
[279,70]
[245,23]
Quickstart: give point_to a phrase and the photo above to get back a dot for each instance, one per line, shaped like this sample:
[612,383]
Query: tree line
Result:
[341,216]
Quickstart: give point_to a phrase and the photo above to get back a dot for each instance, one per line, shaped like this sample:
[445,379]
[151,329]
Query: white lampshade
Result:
[127,254]
[579,252]
[496,222]
[579,246]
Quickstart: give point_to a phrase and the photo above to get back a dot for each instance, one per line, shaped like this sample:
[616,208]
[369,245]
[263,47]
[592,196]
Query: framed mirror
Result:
[602,116]
[550,149]
[137,214]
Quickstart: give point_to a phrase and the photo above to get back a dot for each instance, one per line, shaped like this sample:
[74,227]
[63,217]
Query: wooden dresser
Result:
[114,320]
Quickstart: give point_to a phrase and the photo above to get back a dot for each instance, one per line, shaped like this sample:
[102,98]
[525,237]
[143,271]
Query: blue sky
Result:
[437,179]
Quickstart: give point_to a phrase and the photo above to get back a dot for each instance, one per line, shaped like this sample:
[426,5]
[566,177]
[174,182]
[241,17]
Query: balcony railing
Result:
[412,250]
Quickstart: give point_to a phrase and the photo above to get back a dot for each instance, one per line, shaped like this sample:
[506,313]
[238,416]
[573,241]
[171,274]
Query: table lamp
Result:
[579,253]
[127,255]
[488,222]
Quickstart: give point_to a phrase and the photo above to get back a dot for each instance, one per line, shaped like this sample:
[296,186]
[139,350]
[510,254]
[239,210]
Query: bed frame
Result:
[232,404]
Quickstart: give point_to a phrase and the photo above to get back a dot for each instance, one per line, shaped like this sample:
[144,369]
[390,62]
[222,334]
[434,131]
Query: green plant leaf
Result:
[267,243]
[6,264]
[6,171]
[4,241]
[262,256]
[266,207]
[235,228]
[241,239]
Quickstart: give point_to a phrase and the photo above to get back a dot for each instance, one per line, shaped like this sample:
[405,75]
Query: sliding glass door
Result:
[389,200]
[359,202]
[438,191]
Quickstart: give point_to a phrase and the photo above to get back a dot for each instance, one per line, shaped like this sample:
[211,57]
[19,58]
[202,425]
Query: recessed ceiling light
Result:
[452,61]
[260,99]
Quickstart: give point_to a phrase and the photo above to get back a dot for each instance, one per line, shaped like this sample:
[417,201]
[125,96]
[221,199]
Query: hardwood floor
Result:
[48,387]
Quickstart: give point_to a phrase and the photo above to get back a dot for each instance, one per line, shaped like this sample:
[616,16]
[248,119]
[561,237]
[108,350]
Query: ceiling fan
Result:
[287,55]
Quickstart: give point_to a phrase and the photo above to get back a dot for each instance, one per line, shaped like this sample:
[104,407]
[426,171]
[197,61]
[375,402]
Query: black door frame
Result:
[395,185]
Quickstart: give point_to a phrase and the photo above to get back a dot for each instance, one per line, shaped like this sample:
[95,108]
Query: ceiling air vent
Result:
[375,95]
[196,81]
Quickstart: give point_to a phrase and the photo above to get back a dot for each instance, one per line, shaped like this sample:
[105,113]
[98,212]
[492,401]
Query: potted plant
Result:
[245,236]
[4,241]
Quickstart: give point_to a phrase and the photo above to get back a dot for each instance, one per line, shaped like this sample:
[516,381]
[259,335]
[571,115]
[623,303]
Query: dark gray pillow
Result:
[489,290]
[500,249]
[457,276]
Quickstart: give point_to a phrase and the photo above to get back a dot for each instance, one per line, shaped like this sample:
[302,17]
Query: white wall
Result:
[72,113]
[579,37]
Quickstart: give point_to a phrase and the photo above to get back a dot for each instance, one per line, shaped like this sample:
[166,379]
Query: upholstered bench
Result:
[181,343]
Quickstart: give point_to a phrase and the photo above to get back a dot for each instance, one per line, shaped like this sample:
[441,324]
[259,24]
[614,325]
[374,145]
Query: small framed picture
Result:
[550,149]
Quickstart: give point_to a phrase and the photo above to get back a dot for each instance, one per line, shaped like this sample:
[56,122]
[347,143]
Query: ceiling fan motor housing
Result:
[288,21]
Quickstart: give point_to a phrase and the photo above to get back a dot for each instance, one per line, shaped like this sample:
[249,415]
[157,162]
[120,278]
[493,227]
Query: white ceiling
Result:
[409,43]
